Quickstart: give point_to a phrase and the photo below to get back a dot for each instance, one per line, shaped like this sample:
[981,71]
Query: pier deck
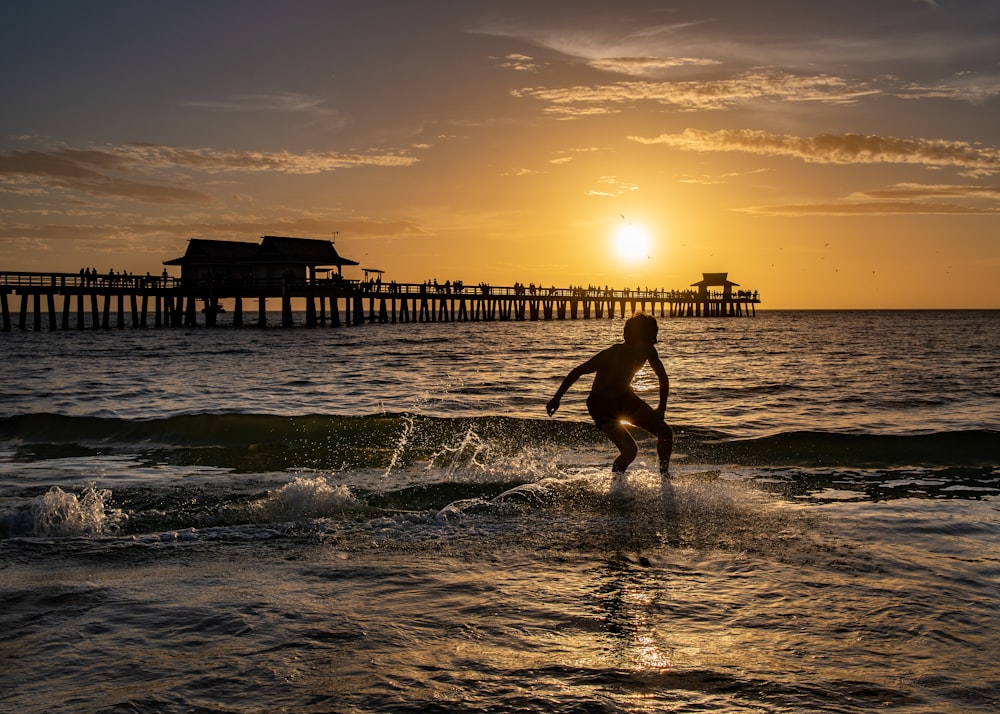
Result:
[76,301]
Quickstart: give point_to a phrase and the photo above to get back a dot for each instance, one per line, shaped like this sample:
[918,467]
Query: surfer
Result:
[612,400]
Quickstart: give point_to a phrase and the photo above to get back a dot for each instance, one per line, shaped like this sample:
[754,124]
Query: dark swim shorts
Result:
[628,407]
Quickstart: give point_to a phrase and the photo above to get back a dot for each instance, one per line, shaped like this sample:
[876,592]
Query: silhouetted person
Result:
[612,400]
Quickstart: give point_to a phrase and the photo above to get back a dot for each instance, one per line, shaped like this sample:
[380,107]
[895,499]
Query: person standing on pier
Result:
[612,400]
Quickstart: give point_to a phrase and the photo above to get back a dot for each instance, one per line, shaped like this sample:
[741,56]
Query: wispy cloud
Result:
[921,191]
[148,232]
[521,63]
[610,186]
[520,171]
[648,66]
[718,94]
[802,35]
[97,173]
[112,171]
[970,87]
[836,148]
[796,56]
[214,160]
[277,102]
[728,177]
[872,208]
[903,198]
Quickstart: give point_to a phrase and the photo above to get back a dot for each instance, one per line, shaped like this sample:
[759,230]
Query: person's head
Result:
[641,329]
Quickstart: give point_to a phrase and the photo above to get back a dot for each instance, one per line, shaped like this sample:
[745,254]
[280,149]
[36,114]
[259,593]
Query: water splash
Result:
[409,424]
[307,498]
[462,457]
[60,514]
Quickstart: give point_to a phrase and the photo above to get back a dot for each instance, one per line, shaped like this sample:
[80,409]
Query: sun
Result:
[632,242]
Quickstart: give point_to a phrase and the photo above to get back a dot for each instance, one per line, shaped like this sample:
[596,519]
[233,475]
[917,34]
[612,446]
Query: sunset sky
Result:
[828,154]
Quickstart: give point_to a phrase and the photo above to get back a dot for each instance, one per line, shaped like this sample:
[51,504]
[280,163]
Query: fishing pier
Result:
[288,271]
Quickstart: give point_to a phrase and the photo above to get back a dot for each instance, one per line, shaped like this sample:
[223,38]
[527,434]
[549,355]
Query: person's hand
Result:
[552,406]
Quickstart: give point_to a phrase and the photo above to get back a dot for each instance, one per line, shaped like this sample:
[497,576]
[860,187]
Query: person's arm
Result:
[575,374]
[661,375]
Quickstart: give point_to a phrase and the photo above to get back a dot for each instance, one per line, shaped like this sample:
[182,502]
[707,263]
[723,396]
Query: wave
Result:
[262,442]
[391,471]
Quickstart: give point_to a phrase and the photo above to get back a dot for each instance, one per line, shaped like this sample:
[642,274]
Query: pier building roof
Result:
[203,251]
[305,251]
[271,250]
[711,280]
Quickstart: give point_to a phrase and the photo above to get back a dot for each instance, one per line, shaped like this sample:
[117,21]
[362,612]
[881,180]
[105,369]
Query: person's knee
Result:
[624,459]
[628,452]
[661,429]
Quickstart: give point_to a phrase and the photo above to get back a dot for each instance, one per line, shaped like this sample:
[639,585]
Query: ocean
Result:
[383,518]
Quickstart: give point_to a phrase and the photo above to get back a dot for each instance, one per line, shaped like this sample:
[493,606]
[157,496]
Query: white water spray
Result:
[60,514]
[409,424]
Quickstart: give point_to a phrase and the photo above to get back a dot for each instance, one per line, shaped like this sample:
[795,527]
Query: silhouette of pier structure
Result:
[309,271]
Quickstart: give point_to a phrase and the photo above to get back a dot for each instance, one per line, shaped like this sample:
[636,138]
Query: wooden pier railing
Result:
[68,300]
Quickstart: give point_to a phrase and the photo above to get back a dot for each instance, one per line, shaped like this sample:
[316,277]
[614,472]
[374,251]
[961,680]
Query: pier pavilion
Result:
[310,271]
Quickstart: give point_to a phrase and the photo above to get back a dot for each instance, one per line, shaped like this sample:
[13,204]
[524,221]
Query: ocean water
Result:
[383,518]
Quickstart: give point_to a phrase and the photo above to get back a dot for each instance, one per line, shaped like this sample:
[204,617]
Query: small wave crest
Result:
[307,498]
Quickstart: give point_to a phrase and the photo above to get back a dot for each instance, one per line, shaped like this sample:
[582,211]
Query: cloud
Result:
[171,230]
[611,186]
[871,208]
[91,172]
[520,171]
[646,66]
[918,191]
[564,112]
[825,36]
[903,198]
[276,103]
[217,161]
[702,95]
[110,171]
[836,148]
[802,54]
[64,163]
[520,63]
[709,180]
[970,87]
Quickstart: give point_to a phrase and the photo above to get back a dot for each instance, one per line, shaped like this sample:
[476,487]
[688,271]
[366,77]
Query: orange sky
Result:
[839,155]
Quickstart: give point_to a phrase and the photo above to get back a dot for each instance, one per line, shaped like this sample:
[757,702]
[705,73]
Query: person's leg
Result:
[649,421]
[626,445]
[665,447]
